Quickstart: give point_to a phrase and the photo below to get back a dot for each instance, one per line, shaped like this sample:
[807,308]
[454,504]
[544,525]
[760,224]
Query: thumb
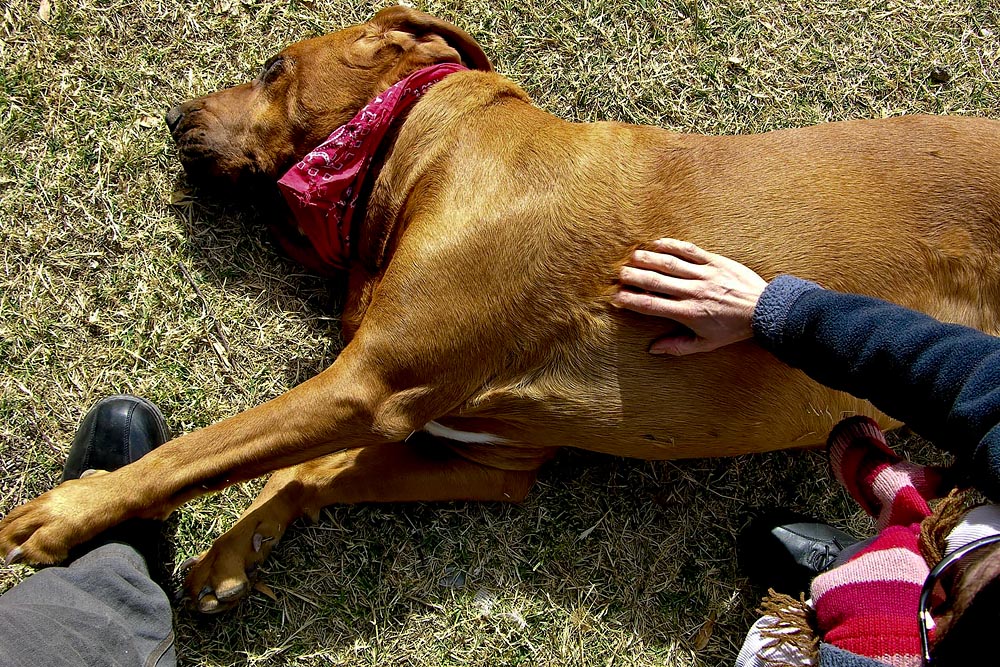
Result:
[679,346]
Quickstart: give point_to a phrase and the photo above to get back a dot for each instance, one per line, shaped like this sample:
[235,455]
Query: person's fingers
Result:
[654,281]
[679,346]
[651,304]
[666,264]
[684,250]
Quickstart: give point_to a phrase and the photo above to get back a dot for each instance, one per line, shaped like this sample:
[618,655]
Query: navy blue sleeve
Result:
[942,380]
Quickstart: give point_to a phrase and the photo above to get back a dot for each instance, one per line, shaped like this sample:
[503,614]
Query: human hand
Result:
[713,296]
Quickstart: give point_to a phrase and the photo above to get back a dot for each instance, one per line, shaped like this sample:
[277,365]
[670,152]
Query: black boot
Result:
[117,431]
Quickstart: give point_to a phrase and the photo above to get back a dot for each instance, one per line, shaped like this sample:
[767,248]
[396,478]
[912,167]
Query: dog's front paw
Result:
[222,576]
[43,531]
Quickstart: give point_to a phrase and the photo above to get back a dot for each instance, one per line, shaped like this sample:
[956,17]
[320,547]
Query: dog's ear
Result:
[426,40]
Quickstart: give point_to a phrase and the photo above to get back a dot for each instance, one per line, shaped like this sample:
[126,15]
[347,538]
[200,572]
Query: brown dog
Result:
[479,305]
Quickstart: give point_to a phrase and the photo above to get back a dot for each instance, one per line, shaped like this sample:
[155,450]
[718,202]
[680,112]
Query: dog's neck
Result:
[327,191]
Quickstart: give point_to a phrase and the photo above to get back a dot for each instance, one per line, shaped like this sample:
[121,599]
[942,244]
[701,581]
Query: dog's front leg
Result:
[357,402]
[417,470]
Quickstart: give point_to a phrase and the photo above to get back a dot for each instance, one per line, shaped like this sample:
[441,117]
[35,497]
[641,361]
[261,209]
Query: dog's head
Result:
[259,129]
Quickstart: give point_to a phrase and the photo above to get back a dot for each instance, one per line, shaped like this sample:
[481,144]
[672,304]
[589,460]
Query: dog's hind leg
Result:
[390,472]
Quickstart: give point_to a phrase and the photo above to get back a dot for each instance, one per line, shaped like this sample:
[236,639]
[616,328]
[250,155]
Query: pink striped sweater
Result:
[868,605]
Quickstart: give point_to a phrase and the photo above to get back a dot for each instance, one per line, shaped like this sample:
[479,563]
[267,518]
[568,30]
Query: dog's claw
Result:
[188,564]
[234,592]
[209,605]
[15,555]
[259,541]
[180,596]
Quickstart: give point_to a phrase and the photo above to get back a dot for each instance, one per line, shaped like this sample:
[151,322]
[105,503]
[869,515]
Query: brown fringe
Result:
[934,529]
[795,626]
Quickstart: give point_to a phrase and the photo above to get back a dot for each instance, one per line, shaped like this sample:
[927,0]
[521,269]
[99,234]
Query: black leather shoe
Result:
[784,550]
[117,431]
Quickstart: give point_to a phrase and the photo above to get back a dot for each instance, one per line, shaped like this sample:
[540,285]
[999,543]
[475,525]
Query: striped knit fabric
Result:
[868,605]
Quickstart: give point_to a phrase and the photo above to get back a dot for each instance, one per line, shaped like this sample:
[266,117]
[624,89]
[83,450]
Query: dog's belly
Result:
[734,401]
[664,437]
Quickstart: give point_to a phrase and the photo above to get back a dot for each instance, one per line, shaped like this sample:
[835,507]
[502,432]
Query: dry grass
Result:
[609,562]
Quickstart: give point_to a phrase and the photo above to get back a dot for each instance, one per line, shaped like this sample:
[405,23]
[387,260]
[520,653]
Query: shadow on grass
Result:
[228,243]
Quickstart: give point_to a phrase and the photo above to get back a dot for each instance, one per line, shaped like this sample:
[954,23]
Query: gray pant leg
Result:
[102,610]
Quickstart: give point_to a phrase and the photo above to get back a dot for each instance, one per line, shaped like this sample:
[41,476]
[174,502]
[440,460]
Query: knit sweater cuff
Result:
[771,314]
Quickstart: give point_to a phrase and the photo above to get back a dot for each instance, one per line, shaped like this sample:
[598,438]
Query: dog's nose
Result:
[173,117]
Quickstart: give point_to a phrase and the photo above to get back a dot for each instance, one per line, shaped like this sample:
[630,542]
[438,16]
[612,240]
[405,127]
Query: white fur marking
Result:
[441,431]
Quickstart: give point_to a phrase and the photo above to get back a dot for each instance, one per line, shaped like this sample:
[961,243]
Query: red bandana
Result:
[324,188]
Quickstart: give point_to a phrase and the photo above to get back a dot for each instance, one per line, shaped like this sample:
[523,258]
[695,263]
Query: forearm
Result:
[943,380]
